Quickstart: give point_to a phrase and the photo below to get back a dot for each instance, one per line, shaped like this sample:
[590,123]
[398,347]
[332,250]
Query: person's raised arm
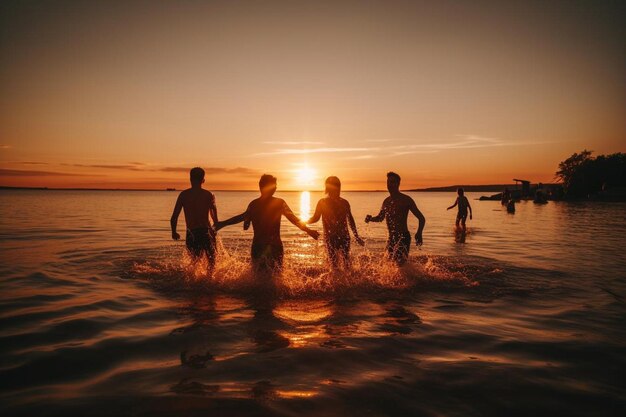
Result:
[297,222]
[174,219]
[454,205]
[318,213]
[353,227]
[422,222]
[380,217]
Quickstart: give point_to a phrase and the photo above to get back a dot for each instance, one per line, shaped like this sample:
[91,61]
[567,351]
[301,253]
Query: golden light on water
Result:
[305,205]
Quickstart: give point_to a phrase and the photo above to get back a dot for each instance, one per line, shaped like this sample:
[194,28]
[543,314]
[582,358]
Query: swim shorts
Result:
[201,241]
[267,257]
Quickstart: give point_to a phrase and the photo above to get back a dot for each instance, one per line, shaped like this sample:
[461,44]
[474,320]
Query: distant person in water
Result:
[265,214]
[336,215]
[463,203]
[198,204]
[506,196]
[395,211]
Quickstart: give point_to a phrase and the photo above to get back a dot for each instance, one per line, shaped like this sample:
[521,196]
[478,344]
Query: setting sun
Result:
[305,176]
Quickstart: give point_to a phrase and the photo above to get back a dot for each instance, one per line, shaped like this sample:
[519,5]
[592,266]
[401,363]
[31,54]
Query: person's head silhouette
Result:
[267,185]
[460,192]
[393,182]
[196,176]
[333,186]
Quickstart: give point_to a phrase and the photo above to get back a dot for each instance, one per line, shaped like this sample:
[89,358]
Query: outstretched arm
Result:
[422,220]
[233,220]
[174,219]
[353,227]
[380,217]
[293,219]
[318,213]
[470,209]
[454,205]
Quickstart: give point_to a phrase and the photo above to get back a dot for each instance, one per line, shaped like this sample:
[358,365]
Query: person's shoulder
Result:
[407,198]
[184,193]
[344,202]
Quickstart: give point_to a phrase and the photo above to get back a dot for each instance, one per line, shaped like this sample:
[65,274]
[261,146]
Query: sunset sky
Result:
[132,94]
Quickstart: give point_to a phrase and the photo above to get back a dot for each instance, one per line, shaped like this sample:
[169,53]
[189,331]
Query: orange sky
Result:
[133,94]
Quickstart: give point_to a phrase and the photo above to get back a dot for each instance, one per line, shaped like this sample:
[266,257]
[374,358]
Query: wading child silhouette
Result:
[463,203]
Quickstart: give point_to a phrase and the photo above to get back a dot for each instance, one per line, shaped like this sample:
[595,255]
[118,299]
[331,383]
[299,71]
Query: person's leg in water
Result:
[398,248]
[339,253]
[462,217]
[201,242]
[267,259]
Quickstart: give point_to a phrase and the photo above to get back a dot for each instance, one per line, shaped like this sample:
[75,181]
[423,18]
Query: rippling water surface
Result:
[102,314]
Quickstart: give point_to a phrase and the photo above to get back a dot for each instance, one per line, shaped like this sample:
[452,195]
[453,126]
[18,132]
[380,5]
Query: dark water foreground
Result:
[94,320]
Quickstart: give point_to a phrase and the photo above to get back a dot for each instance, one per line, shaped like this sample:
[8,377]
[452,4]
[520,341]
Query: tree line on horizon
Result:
[585,176]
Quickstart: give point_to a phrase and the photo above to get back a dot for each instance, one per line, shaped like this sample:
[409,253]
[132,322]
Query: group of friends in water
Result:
[265,213]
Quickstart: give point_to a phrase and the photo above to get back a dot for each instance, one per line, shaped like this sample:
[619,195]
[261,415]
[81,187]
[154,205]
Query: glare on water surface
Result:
[305,205]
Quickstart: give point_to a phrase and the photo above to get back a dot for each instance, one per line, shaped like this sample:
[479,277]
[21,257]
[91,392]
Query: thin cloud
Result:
[6,146]
[28,173]
[293,143]
[214,170]
[466,141]
[107,166]
[142,167]
[291,151]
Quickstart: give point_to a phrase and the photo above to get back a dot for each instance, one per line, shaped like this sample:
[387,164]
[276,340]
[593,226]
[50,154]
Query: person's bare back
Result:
[265,214]
[197,204]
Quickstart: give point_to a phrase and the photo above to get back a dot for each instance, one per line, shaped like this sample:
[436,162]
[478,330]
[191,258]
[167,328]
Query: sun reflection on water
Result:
[305,205]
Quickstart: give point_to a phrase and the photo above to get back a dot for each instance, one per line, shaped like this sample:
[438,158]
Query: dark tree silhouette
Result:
[585,176]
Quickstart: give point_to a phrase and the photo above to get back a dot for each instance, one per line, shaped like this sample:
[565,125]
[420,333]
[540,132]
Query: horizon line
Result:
[167,189]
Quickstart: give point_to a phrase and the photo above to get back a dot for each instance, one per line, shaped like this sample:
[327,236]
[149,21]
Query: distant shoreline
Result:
[450,188]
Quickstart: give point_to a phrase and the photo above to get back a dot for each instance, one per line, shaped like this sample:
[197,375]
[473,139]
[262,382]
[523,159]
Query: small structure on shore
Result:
[540,192]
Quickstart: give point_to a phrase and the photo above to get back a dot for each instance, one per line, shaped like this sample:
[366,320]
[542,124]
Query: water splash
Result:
[308,276]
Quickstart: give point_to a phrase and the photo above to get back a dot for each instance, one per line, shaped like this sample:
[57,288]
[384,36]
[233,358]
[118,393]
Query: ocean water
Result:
[102,314]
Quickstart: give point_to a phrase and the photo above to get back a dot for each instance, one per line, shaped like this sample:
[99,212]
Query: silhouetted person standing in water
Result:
[463,203]
[336,214]
[506,196]
[198,204]
[395,211]
[265,214]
